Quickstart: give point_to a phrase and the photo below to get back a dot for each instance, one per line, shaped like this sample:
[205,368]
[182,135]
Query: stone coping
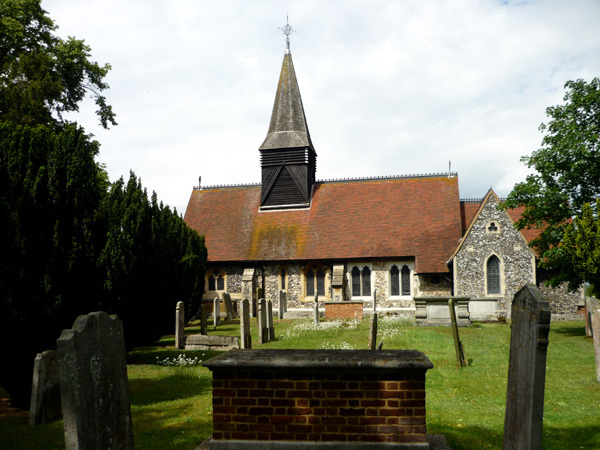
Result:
[345,302]
[324,360]
[445,298]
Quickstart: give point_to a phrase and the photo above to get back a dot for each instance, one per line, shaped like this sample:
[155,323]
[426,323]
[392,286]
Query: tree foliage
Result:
[581,245]
[566,176]
[72,242]
[41,75]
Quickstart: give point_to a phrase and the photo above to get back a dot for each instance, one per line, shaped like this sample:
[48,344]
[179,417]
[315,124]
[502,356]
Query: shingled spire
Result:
[288,158]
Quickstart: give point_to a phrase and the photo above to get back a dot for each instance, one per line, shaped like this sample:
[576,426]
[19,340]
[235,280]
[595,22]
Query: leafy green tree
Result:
[41,75]
[566,176]
[581,245]
[50,192]
[151,260]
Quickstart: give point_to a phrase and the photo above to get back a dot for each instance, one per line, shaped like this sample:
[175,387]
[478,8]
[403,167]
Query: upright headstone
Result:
[245,338]
[591,303]
[526,370]
[230,313]
[282,304]
[45,389]
[93,383]
[216,312]
[203,320]
[263,331]
[316,309]
[373,333]
[180,325]
[270,325]
[596,328]
[374,301]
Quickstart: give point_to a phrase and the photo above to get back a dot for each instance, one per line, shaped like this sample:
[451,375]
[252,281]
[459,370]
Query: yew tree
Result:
[566,176]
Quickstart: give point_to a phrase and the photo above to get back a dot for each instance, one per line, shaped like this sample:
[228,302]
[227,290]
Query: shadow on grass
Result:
[568,330]
[147,391]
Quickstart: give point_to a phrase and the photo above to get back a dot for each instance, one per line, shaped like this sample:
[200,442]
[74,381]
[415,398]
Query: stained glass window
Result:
[394,280]
[405,280]
[493,275]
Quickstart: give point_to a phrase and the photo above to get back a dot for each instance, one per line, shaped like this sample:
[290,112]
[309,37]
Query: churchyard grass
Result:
[171,404]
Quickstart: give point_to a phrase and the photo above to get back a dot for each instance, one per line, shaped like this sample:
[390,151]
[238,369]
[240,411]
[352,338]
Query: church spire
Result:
[288,127]
[288,158]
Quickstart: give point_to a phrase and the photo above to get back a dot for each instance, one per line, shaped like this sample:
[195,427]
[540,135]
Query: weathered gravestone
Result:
[316,309]
[591,303]
[216,312]
[373,333]
[45,389]
[270,324]
[245,337]
[229,311]
[526,370]
[263,330]
[282,304]
[180,325]
[93,383]
[596,328]
[203,320]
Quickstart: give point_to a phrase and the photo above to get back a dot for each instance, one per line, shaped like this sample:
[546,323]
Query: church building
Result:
[404,237]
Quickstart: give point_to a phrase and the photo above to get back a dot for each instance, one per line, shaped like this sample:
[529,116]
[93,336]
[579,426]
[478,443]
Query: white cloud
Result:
[388,87]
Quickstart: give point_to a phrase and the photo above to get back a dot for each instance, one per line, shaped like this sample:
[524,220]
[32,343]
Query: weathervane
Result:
[287,30]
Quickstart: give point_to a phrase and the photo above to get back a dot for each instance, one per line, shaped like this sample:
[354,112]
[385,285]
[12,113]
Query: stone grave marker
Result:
[203,320]
[373,332]
[230,313]
[180,325]
[45,389]
[270,325]
[374,301]
[216,312]
[591,303]
[263,330]
[526,370]
[596,328]
[282,304]
[245,337]
[93,383]
[316,308]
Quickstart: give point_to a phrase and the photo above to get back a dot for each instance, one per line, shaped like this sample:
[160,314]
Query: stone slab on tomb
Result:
[218,343]
[483,310]
[433,311]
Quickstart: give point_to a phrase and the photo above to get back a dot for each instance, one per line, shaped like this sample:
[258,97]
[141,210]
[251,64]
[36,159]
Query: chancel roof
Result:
[408,217]
[288,127]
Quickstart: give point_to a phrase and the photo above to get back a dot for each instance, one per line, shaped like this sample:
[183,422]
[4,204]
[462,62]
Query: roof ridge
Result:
[222,186]
[389,177]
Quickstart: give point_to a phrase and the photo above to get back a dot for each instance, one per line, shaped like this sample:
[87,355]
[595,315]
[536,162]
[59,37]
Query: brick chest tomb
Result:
[297,399]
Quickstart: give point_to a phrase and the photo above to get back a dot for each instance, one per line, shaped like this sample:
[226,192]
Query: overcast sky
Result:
[389,87]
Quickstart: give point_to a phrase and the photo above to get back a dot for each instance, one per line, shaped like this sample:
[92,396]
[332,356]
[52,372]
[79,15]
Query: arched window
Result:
[493,275]
[405,280]
[395,280]
[283,278]
[361,281]
[216,280]
[315,280]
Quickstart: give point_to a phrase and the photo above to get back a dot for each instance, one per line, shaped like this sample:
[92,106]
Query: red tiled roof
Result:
[515,215]
[468,210]
[386,218]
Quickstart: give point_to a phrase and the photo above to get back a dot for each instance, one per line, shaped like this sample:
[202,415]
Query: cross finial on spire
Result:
[287,30]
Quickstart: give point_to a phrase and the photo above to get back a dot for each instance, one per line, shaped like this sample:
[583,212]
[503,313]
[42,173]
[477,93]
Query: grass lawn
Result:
[171,404]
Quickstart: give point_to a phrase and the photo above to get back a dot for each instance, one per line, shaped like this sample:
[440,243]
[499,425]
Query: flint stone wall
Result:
[517,261]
